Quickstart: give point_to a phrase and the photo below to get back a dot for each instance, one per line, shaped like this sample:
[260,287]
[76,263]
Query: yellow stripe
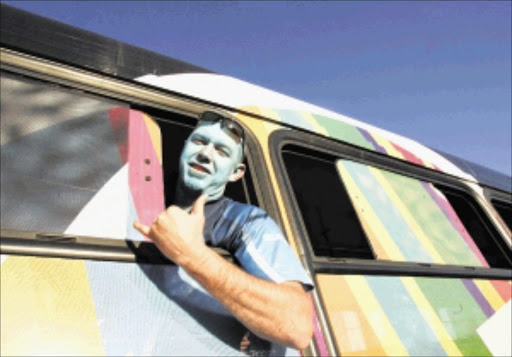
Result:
[386,144]
[490,294]
[47,308]
[318,128]
[366,213]
[408,217]
[431,317]
[262,131]
[382,327]
[269,113]
[155,135]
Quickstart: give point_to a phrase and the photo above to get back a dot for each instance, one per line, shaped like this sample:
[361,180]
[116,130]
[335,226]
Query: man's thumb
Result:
[198,207]
[141,228]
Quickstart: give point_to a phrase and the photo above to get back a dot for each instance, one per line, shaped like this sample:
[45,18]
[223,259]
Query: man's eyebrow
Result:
[198,136]
[224,147]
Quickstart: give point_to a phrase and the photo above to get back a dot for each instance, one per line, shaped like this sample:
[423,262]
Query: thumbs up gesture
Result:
[177,233]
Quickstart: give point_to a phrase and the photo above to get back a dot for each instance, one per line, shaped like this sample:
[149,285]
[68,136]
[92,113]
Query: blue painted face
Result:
[209,160]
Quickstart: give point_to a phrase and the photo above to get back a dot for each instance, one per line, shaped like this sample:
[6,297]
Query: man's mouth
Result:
[199,168]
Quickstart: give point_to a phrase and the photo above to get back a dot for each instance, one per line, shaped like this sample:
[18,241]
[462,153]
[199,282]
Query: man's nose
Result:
[205,154]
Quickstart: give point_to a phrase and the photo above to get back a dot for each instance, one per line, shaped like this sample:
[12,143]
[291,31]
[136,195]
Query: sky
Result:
[436,72]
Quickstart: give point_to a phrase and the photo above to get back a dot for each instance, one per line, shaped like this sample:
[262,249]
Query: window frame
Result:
[493,195]
[135,95]
[281,138]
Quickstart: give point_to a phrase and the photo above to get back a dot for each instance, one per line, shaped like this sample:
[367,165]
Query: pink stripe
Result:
[119,120]
[408,155]
[145,175]
[454,219]
[318,335]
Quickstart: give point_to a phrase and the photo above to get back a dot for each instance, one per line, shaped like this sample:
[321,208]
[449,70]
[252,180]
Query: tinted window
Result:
[483,233]
[505,211]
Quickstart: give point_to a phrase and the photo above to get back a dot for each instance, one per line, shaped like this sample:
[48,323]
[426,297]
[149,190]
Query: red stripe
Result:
[503,288]
[119,120]
[408,155]
[318,335]
[145,175]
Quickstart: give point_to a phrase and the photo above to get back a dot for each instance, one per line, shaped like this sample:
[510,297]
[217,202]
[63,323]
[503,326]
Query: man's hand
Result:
[177,233]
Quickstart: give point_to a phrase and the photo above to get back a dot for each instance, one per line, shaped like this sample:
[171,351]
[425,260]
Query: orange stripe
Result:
[354,336]
[503,288]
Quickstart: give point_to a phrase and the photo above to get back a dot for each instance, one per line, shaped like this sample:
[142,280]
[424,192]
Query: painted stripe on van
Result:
[388,214]
[408,216]
[425,308]
[490,293]
[382,243]
[447,241]
[353,313]
[503,288]
[405,310]
[447,209]
[47,308]
[368,137]
[318,336]
[343,131]
[479,297]
[458,311]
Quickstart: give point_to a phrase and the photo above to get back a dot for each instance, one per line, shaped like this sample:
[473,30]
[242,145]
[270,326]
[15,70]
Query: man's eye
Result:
[198,141]
[223,153]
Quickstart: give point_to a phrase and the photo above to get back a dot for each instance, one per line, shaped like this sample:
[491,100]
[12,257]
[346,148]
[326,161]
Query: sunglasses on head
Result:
[231,127]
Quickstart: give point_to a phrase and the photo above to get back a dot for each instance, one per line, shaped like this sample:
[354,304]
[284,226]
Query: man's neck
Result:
[185,197]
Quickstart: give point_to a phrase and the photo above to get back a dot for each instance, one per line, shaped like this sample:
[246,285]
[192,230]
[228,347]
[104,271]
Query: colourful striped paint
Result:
[406,315]
[409,213]
[454,220]
[47,308]
[318,336]
[342,131]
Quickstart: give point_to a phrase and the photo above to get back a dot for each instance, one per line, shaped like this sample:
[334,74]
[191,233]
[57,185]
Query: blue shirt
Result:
[254,240]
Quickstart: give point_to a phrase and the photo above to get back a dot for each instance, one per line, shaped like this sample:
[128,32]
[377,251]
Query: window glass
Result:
[58,150]
[484,235]
[505,211]
[78,164]
[352,208]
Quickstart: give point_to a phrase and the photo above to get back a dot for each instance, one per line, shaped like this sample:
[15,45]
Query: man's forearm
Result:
[277,312]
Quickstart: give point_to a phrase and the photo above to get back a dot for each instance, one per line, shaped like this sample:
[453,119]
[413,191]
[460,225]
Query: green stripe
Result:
[458,311]
[442,234]
[343,131]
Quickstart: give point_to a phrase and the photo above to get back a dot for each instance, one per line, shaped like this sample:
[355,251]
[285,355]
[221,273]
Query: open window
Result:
[175,129]
[75,163]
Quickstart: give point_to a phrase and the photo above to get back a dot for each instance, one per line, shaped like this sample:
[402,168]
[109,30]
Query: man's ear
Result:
[238,173]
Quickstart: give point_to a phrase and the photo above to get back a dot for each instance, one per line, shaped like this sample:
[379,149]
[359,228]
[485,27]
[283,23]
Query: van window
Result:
[57,151]
[65,155]
[485,237]
[505,211]
[367,212]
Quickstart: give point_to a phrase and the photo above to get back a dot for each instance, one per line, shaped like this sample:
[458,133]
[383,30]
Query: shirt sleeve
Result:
[261,249]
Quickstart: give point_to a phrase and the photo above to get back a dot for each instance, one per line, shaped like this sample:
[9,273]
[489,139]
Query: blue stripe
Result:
[410,325]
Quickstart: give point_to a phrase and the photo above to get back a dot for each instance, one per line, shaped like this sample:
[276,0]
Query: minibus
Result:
[409,248]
